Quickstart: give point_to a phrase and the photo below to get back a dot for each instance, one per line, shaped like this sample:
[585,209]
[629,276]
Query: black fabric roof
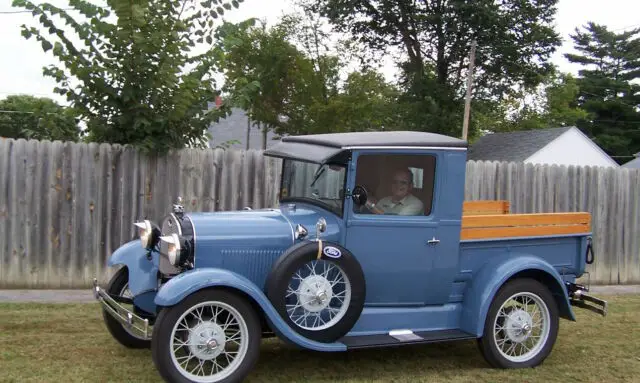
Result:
[300,151]
[512,146]
[322,147]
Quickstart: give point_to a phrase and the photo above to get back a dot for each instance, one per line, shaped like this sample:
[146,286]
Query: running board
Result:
[403,337]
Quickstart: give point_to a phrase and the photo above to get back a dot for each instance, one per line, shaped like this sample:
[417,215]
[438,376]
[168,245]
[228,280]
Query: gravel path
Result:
[85,295]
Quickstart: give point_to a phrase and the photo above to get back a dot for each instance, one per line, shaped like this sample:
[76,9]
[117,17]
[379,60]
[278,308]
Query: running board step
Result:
[401,337]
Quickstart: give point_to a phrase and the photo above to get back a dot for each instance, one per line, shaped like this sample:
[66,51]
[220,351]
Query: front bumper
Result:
[126,318]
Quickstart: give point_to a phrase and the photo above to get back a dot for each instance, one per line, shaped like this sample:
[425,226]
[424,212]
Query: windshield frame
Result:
[312,201]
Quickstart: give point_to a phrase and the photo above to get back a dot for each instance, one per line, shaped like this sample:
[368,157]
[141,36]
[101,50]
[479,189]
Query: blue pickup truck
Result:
[371,245]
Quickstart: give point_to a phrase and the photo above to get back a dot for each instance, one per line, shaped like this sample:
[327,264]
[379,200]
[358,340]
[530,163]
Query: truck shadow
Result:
[391,363]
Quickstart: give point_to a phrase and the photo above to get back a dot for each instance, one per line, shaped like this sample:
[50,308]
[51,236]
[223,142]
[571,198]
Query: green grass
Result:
[69,343]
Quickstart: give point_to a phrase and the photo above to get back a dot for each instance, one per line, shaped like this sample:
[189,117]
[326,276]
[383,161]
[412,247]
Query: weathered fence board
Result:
[65,207]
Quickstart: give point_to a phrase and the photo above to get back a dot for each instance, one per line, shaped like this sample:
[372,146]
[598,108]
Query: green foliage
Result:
[262,71]
[609,91]
[290,83]
[555,104]
[134,77]
[364,102]
[29,117]
[514,39]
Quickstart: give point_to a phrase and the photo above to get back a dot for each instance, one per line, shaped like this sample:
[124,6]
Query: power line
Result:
[25,112]
[628,26]
[619,121]
[543,77]
[27,11]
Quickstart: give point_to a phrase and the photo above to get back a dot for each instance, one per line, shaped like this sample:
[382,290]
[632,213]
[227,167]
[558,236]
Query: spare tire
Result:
[318,288]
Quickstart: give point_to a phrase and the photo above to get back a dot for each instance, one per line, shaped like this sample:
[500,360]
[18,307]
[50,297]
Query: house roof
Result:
[633,164]
[234,128]
[513,146]
[320,148]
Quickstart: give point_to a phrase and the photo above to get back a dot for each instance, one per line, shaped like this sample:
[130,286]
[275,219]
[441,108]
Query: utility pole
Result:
[467,101]
[248,129]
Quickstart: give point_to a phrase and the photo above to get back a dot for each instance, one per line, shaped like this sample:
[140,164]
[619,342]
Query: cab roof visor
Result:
[303,151]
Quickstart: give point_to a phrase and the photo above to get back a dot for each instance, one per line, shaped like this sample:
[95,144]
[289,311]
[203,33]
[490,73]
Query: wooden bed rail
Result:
[485,207]
[524,225]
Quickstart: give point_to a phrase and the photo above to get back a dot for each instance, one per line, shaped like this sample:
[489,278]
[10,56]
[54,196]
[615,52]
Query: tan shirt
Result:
[409,205]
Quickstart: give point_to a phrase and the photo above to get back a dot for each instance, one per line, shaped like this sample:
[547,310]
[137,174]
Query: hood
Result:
[225,239]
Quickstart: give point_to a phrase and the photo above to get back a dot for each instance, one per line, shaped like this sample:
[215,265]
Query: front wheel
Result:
[119,285]
[521,326]
[211,336]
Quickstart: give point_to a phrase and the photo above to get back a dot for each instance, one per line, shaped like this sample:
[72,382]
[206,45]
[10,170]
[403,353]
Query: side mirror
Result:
[359,195]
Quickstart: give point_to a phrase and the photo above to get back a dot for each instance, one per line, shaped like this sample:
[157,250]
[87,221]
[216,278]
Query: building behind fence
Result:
[64,207]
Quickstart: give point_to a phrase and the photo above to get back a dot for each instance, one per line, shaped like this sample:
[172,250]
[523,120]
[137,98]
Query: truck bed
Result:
[489,230]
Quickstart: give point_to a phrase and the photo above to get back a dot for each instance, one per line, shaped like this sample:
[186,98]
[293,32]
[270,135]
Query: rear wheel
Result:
[211,336]
[119,285]
[521,326]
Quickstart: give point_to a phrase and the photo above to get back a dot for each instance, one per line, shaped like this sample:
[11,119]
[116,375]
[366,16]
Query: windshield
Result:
[320,185]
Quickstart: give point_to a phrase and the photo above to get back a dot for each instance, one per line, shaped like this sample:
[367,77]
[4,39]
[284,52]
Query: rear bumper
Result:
[578,297]
[126,318]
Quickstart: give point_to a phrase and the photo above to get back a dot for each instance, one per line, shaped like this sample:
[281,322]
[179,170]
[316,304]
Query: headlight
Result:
[173,249]
[147,233]
[177,249]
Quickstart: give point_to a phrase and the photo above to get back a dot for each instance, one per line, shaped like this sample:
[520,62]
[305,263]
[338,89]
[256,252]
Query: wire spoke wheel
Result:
[119,287]
[522,327]
[318,295]
[125,292]
[209,341]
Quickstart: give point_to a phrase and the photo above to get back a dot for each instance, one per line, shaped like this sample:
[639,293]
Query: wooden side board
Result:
[485,207]
[524,225]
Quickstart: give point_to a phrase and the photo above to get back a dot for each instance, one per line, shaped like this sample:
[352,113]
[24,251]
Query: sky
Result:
[21,60]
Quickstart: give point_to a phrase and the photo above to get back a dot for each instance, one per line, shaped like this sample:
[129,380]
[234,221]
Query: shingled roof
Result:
[513,146]
[633,164]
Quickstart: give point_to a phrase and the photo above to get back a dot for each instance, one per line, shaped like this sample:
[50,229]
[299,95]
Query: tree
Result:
[364,102]
[29,117]
[295,90]
[553,104]
[514,39]
[611,64]
[262,72]
[135,79]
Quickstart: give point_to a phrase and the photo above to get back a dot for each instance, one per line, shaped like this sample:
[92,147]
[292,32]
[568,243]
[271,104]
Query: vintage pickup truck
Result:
[371,245]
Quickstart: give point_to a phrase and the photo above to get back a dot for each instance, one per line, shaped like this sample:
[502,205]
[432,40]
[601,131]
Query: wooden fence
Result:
[64,207]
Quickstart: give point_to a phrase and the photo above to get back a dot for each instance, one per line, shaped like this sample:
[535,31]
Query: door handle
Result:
[433,241]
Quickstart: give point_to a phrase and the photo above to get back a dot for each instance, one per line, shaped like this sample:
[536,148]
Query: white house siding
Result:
[572,148]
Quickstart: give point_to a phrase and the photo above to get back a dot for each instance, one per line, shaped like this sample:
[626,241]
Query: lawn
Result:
[68,343]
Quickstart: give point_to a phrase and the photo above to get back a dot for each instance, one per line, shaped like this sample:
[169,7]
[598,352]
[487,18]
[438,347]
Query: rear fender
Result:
[142,266]
[484,285]
[181,286]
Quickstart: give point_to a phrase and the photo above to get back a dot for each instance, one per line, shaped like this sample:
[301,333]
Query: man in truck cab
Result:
[401,201]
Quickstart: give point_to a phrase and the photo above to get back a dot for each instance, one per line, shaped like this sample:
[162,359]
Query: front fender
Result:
[143,272]
[484,285]
[191,281]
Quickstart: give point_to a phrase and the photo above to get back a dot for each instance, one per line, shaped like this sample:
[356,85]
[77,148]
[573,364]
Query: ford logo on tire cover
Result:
[332,252]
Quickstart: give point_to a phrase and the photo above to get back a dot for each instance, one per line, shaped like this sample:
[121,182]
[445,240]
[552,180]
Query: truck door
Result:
[407,244]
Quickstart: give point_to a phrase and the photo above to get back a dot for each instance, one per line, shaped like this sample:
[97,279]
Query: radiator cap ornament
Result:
[178,209]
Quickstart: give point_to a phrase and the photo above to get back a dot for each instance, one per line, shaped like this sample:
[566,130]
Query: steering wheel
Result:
[359,196]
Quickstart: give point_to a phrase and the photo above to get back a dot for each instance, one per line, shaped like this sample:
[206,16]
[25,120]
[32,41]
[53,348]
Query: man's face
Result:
[400,185]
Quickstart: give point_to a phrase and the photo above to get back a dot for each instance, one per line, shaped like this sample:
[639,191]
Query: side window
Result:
[396,184]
